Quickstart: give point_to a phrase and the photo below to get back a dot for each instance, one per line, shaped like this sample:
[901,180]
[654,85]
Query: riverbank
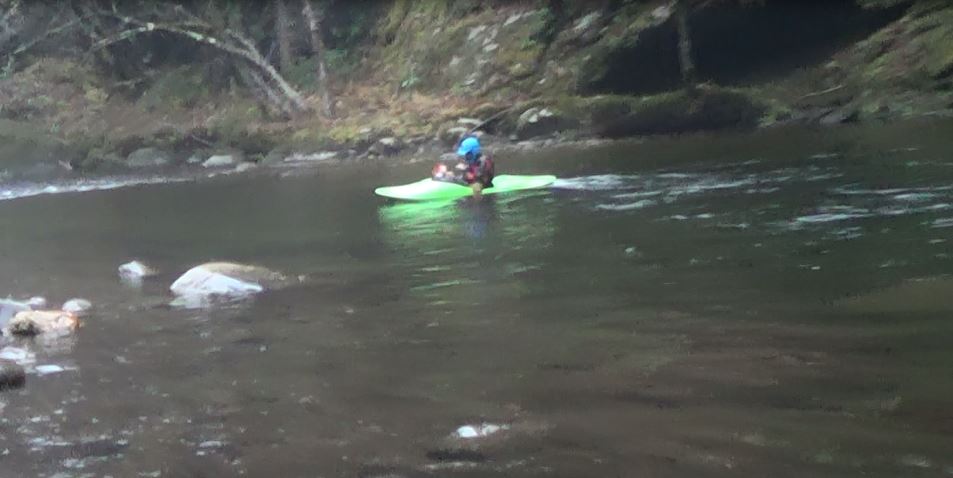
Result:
[421,75]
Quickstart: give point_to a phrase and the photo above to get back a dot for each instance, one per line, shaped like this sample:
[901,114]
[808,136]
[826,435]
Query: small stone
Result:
[479,431]
[475,32]
[48,369]
[77,306]
[219,161]
[135,270]
[512,19]
[471,122]
[322,156]
[587,21]
[246,166]
[36,302]
[662,13]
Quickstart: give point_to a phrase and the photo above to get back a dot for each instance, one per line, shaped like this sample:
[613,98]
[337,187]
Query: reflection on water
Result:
[752,305]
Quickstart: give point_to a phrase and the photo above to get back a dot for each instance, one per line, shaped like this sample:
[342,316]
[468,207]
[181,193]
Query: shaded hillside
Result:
[267,80]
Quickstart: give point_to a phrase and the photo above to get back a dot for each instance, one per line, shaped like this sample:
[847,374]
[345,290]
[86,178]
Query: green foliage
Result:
[234,126]
[303,74]
[182,87]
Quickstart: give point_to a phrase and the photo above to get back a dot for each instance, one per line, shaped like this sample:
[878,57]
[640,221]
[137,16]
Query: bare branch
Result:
[233,43]
[317,46]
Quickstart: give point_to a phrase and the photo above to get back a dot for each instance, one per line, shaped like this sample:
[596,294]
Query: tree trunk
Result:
[284,35]
[317,47]
[244,49]
[267,94]
[685,61]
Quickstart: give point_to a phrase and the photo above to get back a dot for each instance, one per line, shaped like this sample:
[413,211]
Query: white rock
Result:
[324,156]
[48,369]
[76,306]
[36,302]
[219,161]
[222,280]
[471,122]
[475,32]
[479,431]
[662,13]
[246,166]
[212,283]
[512,19]
[585,22]
[135,270]
[18,355]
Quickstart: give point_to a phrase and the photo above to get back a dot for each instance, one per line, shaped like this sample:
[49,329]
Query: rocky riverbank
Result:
[428,73]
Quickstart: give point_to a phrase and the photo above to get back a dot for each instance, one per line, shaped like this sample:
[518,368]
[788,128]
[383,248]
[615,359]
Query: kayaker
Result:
[474,168]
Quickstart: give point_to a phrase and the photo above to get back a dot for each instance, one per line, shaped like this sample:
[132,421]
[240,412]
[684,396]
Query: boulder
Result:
[12,375]
[452,135]
[148,157]
[223,280]
[135,271]
[536,122]
[41,322]
[388,146]
[219,161]
[77,306]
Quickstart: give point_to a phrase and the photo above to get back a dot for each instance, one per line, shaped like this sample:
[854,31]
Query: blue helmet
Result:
[470,145]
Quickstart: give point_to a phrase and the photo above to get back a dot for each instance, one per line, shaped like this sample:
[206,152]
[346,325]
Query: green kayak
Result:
[430,190]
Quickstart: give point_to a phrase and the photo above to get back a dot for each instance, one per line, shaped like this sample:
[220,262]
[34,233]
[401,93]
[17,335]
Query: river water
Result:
[760,304]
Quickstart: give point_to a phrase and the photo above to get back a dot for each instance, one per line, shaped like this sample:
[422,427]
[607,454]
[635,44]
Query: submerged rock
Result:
[135,271]
[12,375]
[77,306]
[36,302]
[41,322]
[224,280]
